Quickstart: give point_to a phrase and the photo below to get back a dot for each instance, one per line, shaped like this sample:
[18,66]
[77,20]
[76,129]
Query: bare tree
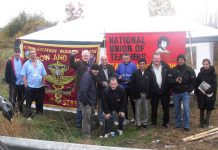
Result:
[161,8]
[72,12]
[212,20]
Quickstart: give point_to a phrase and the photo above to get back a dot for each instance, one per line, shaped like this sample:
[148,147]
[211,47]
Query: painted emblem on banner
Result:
[58,80]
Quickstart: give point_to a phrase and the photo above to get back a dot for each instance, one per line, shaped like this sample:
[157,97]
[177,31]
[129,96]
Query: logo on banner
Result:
[58,80]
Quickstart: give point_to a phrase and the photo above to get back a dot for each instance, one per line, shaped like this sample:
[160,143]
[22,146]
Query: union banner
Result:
[60,79]
[143,45]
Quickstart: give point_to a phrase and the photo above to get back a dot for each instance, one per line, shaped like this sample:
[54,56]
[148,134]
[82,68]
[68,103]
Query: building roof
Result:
[83,30]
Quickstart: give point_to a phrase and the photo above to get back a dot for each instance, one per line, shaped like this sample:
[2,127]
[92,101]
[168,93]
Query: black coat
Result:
[114,100]
[10,76]
[209,76]
[136,83]
[164,89]
[188,79]
[87,93]
[80,67]
[102,78]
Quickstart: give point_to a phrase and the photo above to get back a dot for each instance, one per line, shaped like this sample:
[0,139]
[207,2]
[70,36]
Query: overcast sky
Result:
[53,10]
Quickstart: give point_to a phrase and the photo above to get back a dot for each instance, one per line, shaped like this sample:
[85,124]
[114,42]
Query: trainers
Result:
[29,119]
[106,135]
[132,120]
[126,121]
[116,123]
[101,123]
[120,132]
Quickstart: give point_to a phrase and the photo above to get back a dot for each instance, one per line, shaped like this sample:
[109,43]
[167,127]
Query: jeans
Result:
[108,123]
[185,99]
[87,114]
[78,116]
[100,111]
[78,113]
[141,103]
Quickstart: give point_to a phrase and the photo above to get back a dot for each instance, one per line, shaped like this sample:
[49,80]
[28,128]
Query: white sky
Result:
[99,10]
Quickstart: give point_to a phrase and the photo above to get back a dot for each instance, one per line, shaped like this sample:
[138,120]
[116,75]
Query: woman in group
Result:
[205,90]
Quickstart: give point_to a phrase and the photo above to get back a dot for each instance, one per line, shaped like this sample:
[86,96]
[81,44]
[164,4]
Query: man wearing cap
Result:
[14,78]
[87,98]
[182,78]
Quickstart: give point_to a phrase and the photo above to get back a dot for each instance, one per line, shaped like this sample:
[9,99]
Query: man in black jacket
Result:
[114,100]
[140,82]
[15,80]
[182,78]
[105,73]
[80,66]
[87,97]
[159,88]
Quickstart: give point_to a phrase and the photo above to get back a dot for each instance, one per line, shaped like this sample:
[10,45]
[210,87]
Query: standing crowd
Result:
[109,91]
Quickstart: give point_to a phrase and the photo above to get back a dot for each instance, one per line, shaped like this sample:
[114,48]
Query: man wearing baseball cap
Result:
[87,98]
[182,78]
[15,80]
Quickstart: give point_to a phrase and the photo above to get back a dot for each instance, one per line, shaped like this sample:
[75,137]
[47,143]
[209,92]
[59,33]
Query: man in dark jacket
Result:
[159,88]
[81,66]
[182,78]
[87,97]
[105,73]
[15,80]
[140,82]
[114,100]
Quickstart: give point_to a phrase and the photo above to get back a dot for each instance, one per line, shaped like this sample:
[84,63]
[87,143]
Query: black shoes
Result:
[187,129]
[140,126]
[165,125]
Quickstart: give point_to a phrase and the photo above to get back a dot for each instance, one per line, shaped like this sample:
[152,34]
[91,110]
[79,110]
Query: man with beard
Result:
[182,78]
[87,98]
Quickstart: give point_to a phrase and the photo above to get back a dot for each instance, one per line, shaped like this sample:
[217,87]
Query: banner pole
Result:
[192,65]
[190,46]
[104,43]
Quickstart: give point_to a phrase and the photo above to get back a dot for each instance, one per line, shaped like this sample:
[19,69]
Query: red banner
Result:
[138,45]
[60,79]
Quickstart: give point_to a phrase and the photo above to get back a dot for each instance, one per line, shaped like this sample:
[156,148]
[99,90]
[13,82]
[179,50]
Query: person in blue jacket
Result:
[124,73]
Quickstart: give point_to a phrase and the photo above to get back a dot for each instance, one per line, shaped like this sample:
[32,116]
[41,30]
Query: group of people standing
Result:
[109,90]
[26,82]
